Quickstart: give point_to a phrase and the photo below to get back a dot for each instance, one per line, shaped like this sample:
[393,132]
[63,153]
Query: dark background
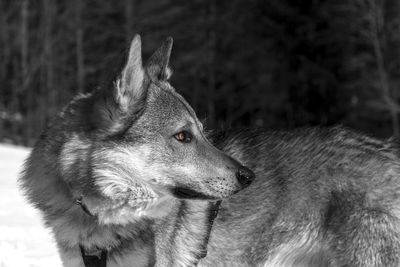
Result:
[279,64]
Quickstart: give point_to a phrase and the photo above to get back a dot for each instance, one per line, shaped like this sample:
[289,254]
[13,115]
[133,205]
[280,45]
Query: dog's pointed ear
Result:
[129,90]
[157,66]
[127,97]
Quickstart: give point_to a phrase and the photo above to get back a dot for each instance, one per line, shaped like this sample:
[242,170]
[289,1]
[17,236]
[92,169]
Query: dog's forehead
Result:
[168,106]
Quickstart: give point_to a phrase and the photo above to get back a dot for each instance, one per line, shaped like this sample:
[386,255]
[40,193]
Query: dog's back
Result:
[321,198]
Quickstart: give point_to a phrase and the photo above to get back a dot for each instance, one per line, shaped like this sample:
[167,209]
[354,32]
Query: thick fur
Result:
[115,151]
[321,197]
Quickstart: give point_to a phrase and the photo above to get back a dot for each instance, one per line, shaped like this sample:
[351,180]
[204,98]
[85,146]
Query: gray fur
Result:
[322,197]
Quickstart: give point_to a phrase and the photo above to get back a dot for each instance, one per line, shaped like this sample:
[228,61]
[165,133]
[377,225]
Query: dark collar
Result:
[94,258]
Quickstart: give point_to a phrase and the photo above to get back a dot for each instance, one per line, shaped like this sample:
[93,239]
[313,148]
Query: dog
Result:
[127,176]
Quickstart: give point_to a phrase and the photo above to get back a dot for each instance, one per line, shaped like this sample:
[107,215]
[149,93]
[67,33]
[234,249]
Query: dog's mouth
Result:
[187,193]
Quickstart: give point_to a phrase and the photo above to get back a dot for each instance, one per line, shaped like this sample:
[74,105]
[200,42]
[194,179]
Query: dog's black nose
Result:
[245,176]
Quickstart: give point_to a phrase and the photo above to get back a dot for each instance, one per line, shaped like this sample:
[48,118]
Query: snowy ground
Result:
[24,242]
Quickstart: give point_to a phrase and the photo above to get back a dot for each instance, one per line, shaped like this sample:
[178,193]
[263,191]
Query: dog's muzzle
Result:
[187,193]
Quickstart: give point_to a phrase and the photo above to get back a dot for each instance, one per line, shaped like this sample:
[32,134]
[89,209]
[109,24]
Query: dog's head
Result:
[149,145]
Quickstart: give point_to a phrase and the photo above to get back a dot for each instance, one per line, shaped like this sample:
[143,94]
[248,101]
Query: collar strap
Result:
[213,213]
[95,258]
[79,202]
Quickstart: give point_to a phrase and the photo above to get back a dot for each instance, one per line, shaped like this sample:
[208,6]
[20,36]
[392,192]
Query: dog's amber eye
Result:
[184,137]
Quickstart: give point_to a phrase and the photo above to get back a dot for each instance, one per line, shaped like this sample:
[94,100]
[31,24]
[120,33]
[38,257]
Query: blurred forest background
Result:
[278,64]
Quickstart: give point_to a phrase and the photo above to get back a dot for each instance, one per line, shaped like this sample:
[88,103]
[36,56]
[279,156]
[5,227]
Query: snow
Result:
[24,242]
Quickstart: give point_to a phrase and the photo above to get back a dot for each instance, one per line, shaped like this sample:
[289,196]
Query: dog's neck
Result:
[179,239]
[187,233]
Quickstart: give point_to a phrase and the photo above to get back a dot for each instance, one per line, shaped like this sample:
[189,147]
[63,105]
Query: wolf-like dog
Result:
[126,176]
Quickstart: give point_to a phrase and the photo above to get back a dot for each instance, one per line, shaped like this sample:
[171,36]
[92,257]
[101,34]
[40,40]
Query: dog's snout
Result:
[245,176]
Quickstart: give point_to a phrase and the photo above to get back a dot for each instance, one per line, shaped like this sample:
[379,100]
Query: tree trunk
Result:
[392,45]
[79,30]
[24,69]
[210,64]
[129,20]
[49,88]
[377,27]
[3,42]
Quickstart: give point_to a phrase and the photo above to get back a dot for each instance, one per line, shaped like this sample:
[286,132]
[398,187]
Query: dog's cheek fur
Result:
[115,173]
[120,177]
[73,152]
[123,213]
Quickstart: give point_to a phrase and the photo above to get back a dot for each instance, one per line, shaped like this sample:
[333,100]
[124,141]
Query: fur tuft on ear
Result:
[157,66]
[129,88]
[128,95]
